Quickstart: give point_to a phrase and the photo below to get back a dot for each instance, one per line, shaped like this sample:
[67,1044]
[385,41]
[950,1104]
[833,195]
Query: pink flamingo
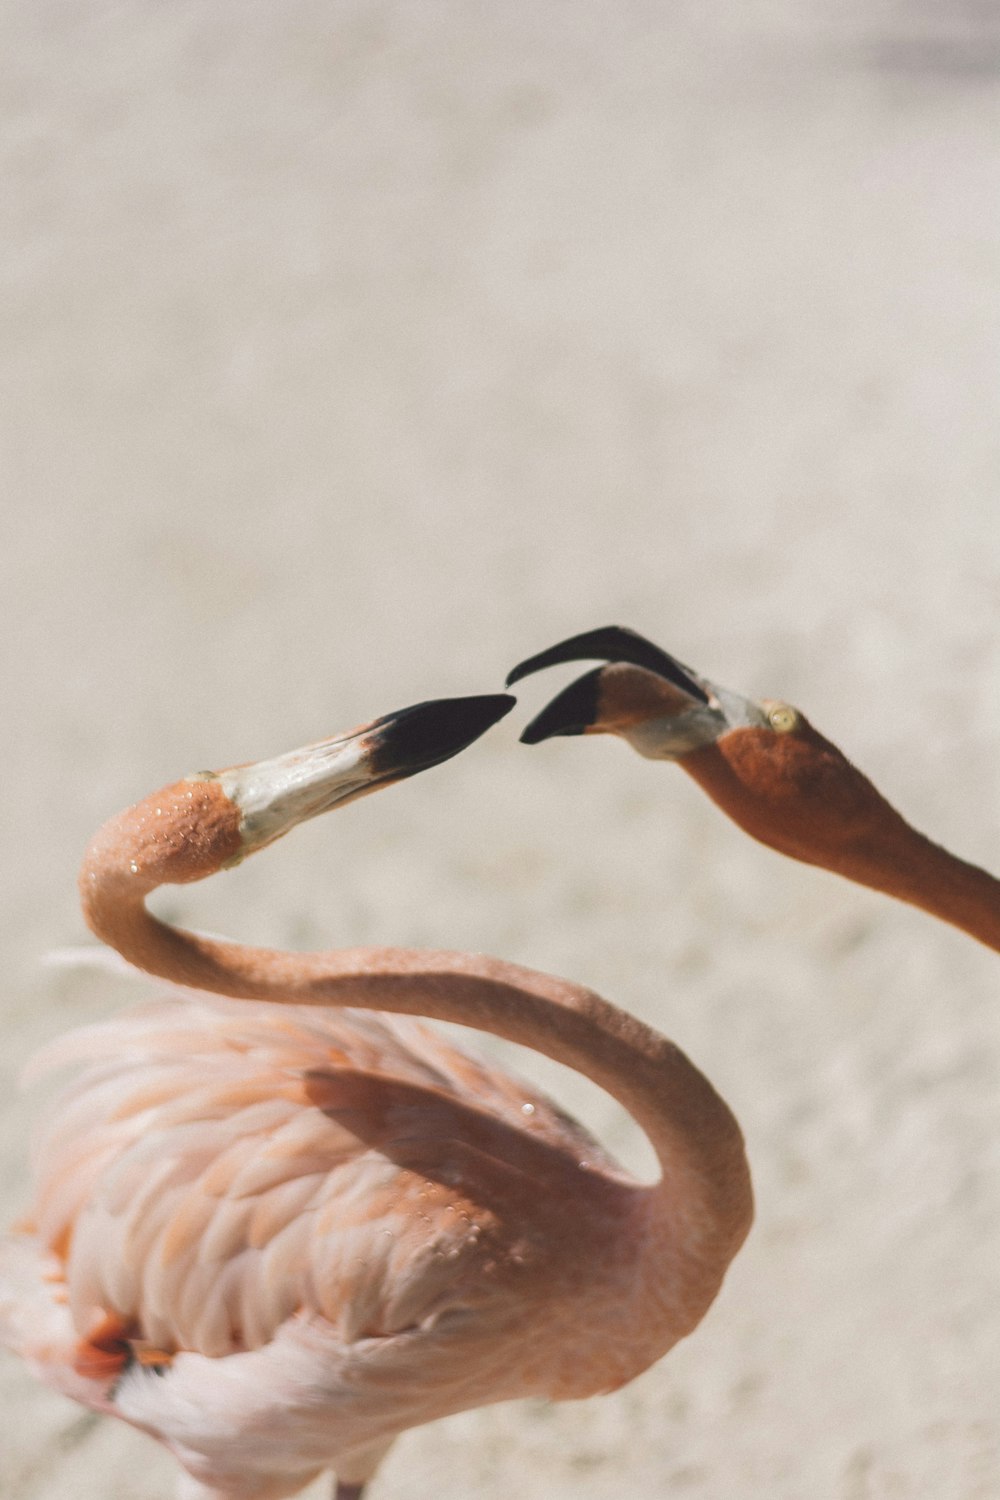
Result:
[278,1220]
[767,767]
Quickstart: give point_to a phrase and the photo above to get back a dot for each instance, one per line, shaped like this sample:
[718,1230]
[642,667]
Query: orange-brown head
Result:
[762,762]
[214,819]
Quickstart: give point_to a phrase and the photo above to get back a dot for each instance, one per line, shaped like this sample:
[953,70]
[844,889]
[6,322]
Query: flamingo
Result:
[765,765]
[278,1220]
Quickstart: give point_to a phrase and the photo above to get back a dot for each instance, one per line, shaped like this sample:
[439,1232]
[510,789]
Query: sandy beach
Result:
[354,351]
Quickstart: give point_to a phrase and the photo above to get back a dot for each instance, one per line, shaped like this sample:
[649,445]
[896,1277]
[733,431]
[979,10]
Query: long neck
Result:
[807,801]
[925,875]
[705,1180]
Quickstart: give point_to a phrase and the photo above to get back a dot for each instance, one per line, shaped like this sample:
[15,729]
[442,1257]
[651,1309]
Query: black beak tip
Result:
[538,730]
[572,711]
[598,643]
[425,734]
[613,643]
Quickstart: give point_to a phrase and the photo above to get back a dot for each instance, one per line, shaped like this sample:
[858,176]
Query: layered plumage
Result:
[275,1231]
[313,1202]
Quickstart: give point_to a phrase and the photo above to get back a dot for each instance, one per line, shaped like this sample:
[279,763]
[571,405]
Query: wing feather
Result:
[219,1166]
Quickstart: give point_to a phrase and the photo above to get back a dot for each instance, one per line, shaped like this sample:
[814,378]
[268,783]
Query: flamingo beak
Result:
[274,795]
[576,710]
[585,707]
[414,739]
[663,708]
[613,643]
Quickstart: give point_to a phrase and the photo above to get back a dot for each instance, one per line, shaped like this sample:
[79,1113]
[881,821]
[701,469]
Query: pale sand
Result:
[356,350]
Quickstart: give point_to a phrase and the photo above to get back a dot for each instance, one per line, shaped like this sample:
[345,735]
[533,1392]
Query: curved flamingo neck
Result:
[705,1185]
[820,809]
[924,874]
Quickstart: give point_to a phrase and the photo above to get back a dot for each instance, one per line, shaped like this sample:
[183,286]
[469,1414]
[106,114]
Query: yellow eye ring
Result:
[783,718]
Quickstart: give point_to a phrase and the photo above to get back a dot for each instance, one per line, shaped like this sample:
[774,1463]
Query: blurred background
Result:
[353,351]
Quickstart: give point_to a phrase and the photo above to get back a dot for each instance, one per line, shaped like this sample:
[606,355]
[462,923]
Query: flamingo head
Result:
[274,795]
[212,820]
[761,761]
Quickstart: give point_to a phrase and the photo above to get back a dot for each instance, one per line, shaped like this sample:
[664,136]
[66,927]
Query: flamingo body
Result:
[277,1229]
[264,1234]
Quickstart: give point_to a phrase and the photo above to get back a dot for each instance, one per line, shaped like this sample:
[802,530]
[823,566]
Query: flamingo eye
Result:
[783,718]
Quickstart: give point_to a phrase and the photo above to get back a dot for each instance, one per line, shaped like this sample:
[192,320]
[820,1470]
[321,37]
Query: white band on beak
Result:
[274,795]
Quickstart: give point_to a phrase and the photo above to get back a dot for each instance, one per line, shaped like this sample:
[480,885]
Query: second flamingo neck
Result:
[827,813]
